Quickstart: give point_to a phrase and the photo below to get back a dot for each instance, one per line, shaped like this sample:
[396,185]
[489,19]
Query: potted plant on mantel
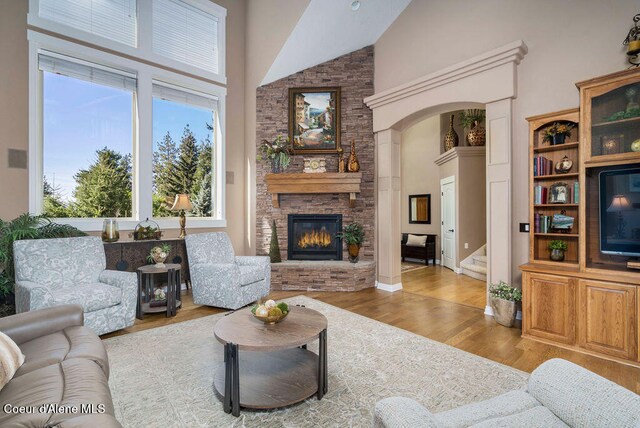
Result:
[278,153]
[504,300]
[557,248]
[353,236]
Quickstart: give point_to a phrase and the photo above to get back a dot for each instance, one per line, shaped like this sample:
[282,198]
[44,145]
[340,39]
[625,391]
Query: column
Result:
[388,209]
[498,193]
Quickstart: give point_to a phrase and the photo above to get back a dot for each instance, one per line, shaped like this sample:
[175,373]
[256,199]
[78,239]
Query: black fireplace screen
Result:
[313,237]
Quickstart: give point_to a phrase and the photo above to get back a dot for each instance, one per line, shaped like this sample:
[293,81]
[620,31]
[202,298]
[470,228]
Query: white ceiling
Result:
[330,28]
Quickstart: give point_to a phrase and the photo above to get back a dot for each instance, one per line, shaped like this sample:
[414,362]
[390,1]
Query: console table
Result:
[129,255]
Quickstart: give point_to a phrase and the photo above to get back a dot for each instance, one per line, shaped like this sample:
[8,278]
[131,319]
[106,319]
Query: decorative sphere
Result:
[635,146]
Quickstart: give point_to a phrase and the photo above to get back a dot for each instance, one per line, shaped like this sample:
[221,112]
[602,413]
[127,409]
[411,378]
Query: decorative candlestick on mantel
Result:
[341,163]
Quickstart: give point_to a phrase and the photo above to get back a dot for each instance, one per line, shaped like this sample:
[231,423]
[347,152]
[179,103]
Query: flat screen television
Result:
[620,211]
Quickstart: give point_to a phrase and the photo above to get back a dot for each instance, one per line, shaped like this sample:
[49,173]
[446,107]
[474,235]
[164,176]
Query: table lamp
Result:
[182,204]
[618,204]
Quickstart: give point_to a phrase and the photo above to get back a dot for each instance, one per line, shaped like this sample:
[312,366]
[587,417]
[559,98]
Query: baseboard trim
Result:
[488,311]
[389,287]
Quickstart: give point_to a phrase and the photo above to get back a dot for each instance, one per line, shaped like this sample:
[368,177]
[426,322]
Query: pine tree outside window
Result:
[183,155]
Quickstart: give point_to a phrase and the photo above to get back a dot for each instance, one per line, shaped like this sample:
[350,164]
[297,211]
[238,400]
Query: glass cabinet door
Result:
[615,121]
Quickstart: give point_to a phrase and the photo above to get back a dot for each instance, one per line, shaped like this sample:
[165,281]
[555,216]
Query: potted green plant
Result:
[353,236]
[26,226]
[504,300]
[557,133]
[472,120]
[278,153]
[557,248]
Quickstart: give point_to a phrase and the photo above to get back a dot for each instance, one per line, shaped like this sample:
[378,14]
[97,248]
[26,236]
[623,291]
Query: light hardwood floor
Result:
[438,304]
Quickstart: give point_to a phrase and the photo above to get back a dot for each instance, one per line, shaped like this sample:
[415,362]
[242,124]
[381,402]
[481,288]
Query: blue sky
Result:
[82,117]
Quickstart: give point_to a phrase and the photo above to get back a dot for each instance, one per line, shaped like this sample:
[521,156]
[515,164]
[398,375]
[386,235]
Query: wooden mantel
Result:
[328,182]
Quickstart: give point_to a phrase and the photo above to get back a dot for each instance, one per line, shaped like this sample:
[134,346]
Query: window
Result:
[186,35]
[98,122]
[87,138]
[183,151]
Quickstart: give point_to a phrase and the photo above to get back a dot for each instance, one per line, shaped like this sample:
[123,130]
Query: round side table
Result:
[277,370]
[145,287]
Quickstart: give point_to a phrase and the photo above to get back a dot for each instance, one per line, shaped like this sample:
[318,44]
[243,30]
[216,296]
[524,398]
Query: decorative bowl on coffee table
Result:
[271,319]
[270,312]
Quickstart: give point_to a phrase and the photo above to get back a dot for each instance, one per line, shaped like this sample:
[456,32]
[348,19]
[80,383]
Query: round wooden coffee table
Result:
[278,370]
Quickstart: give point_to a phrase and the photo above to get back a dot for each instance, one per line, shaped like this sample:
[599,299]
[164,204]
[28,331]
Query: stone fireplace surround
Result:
[354,74]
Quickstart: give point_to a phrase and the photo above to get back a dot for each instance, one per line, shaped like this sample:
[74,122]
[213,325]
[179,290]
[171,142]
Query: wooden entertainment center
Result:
[590,301]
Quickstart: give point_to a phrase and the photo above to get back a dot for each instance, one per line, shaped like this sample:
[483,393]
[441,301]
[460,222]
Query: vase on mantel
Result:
[353,165]
[451,138]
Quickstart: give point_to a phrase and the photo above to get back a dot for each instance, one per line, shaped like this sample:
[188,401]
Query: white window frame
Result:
[144,48]
[142,150]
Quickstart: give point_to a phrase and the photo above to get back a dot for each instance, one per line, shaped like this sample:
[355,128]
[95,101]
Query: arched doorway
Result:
[488,79]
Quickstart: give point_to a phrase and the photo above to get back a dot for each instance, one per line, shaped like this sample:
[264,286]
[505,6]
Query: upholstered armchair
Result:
[558,394]
[54,272]
[222,279]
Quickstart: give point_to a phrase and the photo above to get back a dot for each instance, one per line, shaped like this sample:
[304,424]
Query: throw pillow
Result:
[416,241]
[10,359]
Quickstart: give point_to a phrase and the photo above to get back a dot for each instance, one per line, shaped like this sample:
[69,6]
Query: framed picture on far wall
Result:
[634,182]
[314,120]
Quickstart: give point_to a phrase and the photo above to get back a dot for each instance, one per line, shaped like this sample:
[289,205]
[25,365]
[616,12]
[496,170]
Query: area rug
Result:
[163,377]
[408,267]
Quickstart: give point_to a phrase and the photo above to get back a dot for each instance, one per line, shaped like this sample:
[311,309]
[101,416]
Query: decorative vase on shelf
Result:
[451,138]
[557,255]
[353,165]
[477,135]
[563,166]
[558,139]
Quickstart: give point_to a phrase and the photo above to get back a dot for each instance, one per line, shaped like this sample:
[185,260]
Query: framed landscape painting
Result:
[314,120]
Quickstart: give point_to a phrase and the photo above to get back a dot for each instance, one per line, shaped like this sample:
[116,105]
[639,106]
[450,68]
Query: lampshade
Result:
[182,202]
[619,203]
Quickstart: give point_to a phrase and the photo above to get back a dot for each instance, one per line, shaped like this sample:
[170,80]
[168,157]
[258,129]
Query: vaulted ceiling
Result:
[330,28]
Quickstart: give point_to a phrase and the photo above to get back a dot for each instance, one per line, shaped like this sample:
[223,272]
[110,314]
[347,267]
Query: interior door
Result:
[448,211]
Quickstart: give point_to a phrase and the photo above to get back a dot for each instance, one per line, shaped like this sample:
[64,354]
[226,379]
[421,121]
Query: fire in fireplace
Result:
[313,237]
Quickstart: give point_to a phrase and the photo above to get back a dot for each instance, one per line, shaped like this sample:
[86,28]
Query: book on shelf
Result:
[540,195]
[576,192]
[542,223]
[542,166]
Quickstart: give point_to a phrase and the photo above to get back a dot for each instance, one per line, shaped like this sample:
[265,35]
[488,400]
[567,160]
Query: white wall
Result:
[419,148]
[568,41]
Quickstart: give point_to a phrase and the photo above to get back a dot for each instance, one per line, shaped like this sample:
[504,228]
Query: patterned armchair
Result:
[221,279]
[54,272]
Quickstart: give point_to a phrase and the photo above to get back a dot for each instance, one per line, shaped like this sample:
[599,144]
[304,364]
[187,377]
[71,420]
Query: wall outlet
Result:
[466,245]
[524,227]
